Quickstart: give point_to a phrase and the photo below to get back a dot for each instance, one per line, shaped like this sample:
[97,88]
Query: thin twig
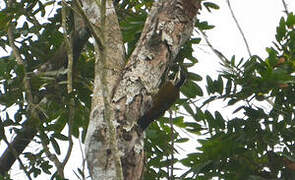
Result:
[69,47]
[26,82]
[239,27]
[83,159]
[184,114]
[216,52]
[285,7]
[68,41]
[70,148]
[167,167]
[19,59]
[52,157]
[172,145]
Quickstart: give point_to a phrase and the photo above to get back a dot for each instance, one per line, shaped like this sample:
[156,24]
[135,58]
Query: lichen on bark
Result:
[130,88]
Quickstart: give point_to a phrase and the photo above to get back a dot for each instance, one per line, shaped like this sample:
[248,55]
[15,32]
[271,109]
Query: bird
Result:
[163,100]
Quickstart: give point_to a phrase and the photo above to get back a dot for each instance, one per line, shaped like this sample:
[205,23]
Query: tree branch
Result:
[50,155]
[16,155]
[13,150]
[285,7]
[18,144]
[239,27]
[69,43]
[58,60]
[171,146]
[109,62]
[167,28]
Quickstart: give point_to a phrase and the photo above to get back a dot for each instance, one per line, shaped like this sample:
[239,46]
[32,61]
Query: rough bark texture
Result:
[169,25]
[18,144]
[99,146]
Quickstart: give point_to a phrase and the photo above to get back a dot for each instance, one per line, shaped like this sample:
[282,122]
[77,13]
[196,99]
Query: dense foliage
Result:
[255,143]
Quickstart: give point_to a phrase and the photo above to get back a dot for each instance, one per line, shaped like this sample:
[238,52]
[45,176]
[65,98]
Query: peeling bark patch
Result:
[94,113]
[149,73]
[138,148]
[191,7]
[145,55]
[133,111]
[109,152]
[166,29]
[91,9]
[167,38]
[97,114]
[185,9]
[134,163]
[126,136]
[129,87]
[168,26]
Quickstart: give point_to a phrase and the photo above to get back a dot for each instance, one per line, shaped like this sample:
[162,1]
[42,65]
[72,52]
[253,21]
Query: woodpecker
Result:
[163,100]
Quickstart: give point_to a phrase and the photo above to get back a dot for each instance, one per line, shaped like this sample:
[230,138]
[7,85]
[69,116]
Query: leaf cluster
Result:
[38,38]
[257,140]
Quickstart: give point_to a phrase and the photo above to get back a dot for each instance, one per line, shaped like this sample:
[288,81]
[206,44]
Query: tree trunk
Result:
[122,94]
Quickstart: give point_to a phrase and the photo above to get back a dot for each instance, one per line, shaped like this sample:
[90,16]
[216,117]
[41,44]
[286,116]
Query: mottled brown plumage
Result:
[162,101]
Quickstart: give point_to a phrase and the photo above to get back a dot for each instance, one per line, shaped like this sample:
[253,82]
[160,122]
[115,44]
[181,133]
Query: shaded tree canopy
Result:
[254,143]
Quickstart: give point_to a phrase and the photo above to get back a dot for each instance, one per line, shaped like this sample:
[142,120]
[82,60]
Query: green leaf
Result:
[181,140]
[204,25]
[188,109]
[55,145]
[212,98]
[81,172]
[60,123]
[199,115]
[238,109]
[210,6]
[272,59]
[233,61]
[193,127]
[191,89]
[194,77]
[219,85]
[232,101]
[290,21]
[255,113]
[281,30]
[220,122]
[228,87]
[210,119]
[210,85]
[60,136]
[178,121]
[46,167]
[195,40]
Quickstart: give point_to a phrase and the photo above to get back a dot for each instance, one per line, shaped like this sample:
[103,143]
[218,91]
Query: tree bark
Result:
[19,143]
[129,90]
